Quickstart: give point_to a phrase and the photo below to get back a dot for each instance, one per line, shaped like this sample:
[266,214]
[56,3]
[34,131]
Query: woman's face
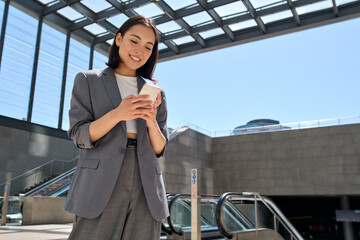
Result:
[135,48]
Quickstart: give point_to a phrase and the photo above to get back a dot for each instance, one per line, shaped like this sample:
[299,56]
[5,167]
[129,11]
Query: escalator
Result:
[56,187]
[246,216]
[265,218]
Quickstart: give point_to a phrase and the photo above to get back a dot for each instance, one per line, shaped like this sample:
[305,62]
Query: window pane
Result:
[49,77]
[16,65]
[79,55]
[99,60]
[1,12]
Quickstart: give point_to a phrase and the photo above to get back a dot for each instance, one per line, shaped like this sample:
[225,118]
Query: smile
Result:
[135,58]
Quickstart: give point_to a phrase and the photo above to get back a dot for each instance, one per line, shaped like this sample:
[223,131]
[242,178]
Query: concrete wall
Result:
[22,150]
[316,161]
[187,150]
[45,210]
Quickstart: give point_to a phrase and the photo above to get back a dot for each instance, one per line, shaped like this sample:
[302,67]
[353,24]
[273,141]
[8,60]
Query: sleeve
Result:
[80,113]
[161,118]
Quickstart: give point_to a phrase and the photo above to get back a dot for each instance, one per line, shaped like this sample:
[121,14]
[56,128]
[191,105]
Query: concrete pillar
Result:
[347,226]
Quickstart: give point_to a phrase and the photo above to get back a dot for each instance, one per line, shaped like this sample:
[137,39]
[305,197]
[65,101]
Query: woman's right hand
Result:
[132,107]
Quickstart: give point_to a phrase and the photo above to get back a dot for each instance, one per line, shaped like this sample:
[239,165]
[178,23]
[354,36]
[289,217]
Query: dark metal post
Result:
[63,84]
[92,54]
[348,226]
[33,78]
[6,199]
[3,28]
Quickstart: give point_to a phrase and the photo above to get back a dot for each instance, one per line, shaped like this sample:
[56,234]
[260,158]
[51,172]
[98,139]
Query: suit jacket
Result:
[94,94]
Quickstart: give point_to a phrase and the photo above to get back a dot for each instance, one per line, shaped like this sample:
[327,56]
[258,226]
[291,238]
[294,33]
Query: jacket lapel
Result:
[112,90]
[141,123]
[111,86]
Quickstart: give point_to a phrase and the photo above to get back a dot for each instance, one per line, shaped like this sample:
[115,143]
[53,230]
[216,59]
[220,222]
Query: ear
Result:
[118,39]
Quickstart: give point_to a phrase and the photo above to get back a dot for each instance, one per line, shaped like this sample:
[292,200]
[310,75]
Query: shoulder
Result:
[94,72]
[91,75]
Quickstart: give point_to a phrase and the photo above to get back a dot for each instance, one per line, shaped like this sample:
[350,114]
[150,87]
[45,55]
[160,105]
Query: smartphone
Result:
[151,90]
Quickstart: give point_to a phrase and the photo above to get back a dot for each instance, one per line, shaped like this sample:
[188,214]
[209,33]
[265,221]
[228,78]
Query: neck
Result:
[125,72]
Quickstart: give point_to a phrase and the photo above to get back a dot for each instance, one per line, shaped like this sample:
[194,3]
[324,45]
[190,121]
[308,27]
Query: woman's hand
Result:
[132,107]
[157,139]
[150,116]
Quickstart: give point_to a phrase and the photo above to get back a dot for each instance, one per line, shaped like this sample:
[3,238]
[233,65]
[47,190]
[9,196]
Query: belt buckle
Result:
[131,143]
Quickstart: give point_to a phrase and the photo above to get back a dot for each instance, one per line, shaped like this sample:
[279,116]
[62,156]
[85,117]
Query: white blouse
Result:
[128,85]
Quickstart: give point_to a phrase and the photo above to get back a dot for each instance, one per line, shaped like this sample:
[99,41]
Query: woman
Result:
[117,191]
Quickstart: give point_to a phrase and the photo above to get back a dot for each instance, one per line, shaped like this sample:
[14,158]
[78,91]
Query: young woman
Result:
[117,191]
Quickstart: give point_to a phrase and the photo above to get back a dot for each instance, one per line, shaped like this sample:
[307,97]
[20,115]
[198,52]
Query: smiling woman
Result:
[135,48]
[120,135]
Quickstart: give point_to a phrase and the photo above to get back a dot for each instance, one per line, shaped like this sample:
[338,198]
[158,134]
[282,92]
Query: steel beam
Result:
[63,83]
[34,70]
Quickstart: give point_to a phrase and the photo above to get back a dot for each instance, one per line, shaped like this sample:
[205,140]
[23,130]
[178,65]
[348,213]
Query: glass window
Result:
[314,7]
[277,16]
[176,4]
[79,56]
[95,29]
[162,46]
[99,60]
[243,25]
[1,12]
[183,40]
[149,10]
[197,18]
[70,13]
[168,27]
[230,9]
[211,33]
[341,2]
[49,77]
[17,63]
[265,3]
[118,20]
[96,5]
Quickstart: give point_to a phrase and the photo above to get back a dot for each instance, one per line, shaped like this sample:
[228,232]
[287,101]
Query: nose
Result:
[138,50]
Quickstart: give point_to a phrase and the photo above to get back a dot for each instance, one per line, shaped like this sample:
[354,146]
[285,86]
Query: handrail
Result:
[49,183]
[271,206]
[279,127]
[163,227]
[36,168]
[172,201]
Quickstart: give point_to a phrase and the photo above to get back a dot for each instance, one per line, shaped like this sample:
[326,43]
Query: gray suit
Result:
[94,94]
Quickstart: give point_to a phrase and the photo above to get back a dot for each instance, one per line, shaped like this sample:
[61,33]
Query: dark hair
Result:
[148,68]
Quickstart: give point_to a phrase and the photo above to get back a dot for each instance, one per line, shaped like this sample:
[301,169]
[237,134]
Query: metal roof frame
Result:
[172,51]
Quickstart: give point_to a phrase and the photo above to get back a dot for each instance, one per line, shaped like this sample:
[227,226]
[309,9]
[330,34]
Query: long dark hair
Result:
[148,68]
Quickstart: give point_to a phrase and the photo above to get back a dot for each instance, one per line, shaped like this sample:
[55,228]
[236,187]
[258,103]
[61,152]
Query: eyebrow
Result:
[140,38]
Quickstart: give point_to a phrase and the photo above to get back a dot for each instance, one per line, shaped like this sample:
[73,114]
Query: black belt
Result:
[131,142]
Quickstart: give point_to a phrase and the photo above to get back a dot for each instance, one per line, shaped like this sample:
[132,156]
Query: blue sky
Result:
[308,75]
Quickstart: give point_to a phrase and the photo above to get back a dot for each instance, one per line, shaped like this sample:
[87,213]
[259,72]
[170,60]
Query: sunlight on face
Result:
[135,48]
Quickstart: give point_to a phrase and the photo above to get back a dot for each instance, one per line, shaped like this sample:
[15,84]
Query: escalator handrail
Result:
[49,183]
[163,227]
[37,169]
[266,201]
[218,214]
[172,201]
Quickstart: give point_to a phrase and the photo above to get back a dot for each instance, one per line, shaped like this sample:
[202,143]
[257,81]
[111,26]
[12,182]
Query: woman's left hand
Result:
[150,118]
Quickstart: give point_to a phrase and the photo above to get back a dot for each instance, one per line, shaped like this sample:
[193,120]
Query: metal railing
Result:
[255,197]
[182,197]
[39,173]
[52,183]
[278,127]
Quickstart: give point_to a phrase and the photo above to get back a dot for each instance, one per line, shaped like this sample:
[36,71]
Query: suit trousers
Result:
[126,215]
